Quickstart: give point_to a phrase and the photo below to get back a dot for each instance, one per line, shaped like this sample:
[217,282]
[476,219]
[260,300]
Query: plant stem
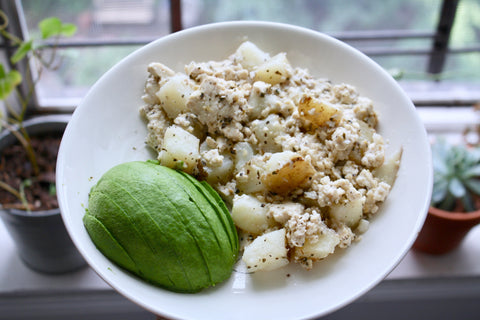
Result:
[8,188]
[3,30]
[12,111]
[19,194]
[23,197]
[24,139]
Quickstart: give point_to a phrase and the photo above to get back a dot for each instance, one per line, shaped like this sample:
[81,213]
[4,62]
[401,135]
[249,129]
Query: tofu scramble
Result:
[297,159]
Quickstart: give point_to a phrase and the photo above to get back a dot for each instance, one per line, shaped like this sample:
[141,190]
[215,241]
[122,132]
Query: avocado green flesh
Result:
[109,244]
[163,226]
[217,203]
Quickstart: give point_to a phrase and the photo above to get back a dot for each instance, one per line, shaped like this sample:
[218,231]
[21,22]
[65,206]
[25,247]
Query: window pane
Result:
[463,67]
[465,34]
[326,16]
[379,23]
[337,16]
[466,29]
[97,20]
[78,70]
[104,19]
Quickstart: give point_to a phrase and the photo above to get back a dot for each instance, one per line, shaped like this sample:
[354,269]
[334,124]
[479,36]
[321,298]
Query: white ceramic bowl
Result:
[106,130]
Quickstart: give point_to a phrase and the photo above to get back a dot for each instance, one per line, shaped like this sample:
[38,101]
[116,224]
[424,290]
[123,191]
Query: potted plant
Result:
[455,205]
[28,149]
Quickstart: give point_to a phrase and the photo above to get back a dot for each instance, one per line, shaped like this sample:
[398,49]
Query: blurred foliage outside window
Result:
[124,20]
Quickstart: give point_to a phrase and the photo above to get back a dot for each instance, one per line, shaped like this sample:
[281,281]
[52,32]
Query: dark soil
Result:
[15,168]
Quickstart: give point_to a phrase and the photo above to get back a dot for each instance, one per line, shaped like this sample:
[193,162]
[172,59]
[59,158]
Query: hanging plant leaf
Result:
[53,26]
[8,81]
[50,27]
[22,51]
[68,29]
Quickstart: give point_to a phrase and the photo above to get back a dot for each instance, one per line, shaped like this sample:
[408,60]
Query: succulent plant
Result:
[456,175]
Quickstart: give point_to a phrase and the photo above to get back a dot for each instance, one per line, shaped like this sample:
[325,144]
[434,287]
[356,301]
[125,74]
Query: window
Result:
[410,38]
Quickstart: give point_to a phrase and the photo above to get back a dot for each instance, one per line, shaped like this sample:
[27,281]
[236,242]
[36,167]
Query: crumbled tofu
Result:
[282,212]
[302,226]
[297,158]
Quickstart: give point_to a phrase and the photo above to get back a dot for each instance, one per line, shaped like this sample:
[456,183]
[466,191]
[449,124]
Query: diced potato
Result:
[243,154]
[249,178]
[349,213]
[366,132]
[249,214]
[220,173]
[319,249]
[285,171]
[273,71]
[250,55]
[173,95]
[218,167]
[315,113]
[267,252]
[257,98]
[180,149]
[387,172]
[266,131]
[362,226]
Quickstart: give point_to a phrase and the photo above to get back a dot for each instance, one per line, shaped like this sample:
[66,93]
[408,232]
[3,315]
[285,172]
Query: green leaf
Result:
[2,71]
[472,172]
[14,77]
[53,26]
[22,51]
[8,82]
[440,167]
[473,185]
[68,29]
[26,183]
[468,203]
[50,27]
[396,73]
[447,204]
[456,188]
[440,189]
[52,189]
[440,153]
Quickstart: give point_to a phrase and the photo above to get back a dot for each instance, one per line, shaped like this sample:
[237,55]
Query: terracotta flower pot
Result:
[40,237]
[443,231]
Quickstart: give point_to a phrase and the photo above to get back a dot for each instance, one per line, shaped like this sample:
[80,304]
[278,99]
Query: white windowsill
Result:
[15,277]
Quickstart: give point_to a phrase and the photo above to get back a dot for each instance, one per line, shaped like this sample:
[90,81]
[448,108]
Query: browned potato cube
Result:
[285,171]
[315,113]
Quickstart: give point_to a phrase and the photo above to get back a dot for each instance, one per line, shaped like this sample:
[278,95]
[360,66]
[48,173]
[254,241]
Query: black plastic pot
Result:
[40,237]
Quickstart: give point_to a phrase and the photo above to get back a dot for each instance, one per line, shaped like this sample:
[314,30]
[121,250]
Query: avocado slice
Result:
[163,226]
